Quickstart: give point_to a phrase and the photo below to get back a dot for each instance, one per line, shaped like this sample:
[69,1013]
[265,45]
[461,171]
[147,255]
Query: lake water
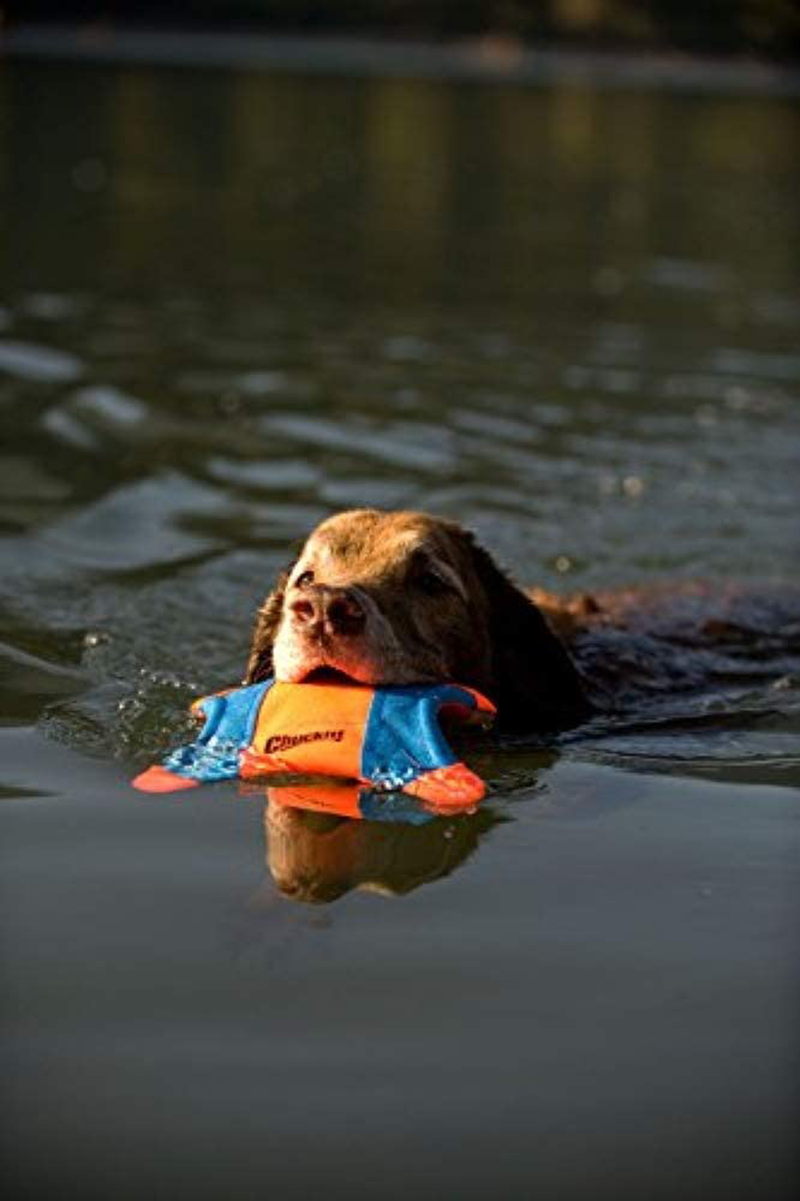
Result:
[231,303]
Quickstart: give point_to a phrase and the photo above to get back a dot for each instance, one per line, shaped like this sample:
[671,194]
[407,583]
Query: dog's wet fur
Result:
[403,597]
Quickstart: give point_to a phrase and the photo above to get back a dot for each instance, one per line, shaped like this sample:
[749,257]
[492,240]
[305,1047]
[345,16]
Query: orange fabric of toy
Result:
[315,729]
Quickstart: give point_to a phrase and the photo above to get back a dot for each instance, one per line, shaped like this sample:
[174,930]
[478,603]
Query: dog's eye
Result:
[304,579]
[431,583]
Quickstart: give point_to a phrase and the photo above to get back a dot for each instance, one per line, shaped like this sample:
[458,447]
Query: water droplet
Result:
[633,486]
[95,638]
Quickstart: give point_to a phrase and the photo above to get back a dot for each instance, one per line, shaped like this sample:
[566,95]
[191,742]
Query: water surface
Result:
[230,304]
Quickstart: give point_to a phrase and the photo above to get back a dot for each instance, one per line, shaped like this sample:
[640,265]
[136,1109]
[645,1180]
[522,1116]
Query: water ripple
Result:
[392,443]
[41,364]
[136,525]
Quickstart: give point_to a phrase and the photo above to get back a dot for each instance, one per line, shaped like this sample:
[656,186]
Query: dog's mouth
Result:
[327,665]
[328,675]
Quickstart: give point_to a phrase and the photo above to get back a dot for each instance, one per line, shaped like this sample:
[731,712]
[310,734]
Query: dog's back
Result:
[637,644]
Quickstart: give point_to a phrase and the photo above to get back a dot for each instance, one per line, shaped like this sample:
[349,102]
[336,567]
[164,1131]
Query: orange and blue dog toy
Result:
[388,738]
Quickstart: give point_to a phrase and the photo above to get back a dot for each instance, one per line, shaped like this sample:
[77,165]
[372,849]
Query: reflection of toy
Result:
[387,737]
[357,801]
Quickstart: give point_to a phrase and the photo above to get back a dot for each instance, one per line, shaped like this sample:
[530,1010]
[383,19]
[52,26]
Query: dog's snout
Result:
[334,610]
[306,611]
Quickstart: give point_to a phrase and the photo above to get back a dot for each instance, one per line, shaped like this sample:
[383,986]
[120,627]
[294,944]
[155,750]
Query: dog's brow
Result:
[317,550]
[427,556]
[451,575]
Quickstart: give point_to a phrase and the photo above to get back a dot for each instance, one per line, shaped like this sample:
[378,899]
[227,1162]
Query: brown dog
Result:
[403,597]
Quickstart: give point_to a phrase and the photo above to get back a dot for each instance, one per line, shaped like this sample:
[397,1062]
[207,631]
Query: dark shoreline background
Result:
[486,61]
[743,28]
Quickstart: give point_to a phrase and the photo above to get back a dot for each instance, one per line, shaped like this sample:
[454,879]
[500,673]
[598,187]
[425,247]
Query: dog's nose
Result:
[343,611]
[334,610]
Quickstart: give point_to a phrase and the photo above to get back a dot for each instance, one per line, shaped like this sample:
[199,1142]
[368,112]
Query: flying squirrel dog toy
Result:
[386,737]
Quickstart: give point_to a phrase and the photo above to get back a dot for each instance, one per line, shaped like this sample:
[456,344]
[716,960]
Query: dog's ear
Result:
[536,684]
[259,665]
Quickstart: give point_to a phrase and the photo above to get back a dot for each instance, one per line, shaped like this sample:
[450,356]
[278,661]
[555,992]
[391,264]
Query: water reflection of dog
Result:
[319,847]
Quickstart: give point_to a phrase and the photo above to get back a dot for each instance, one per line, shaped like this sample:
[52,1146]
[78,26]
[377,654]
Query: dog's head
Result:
[401,598]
